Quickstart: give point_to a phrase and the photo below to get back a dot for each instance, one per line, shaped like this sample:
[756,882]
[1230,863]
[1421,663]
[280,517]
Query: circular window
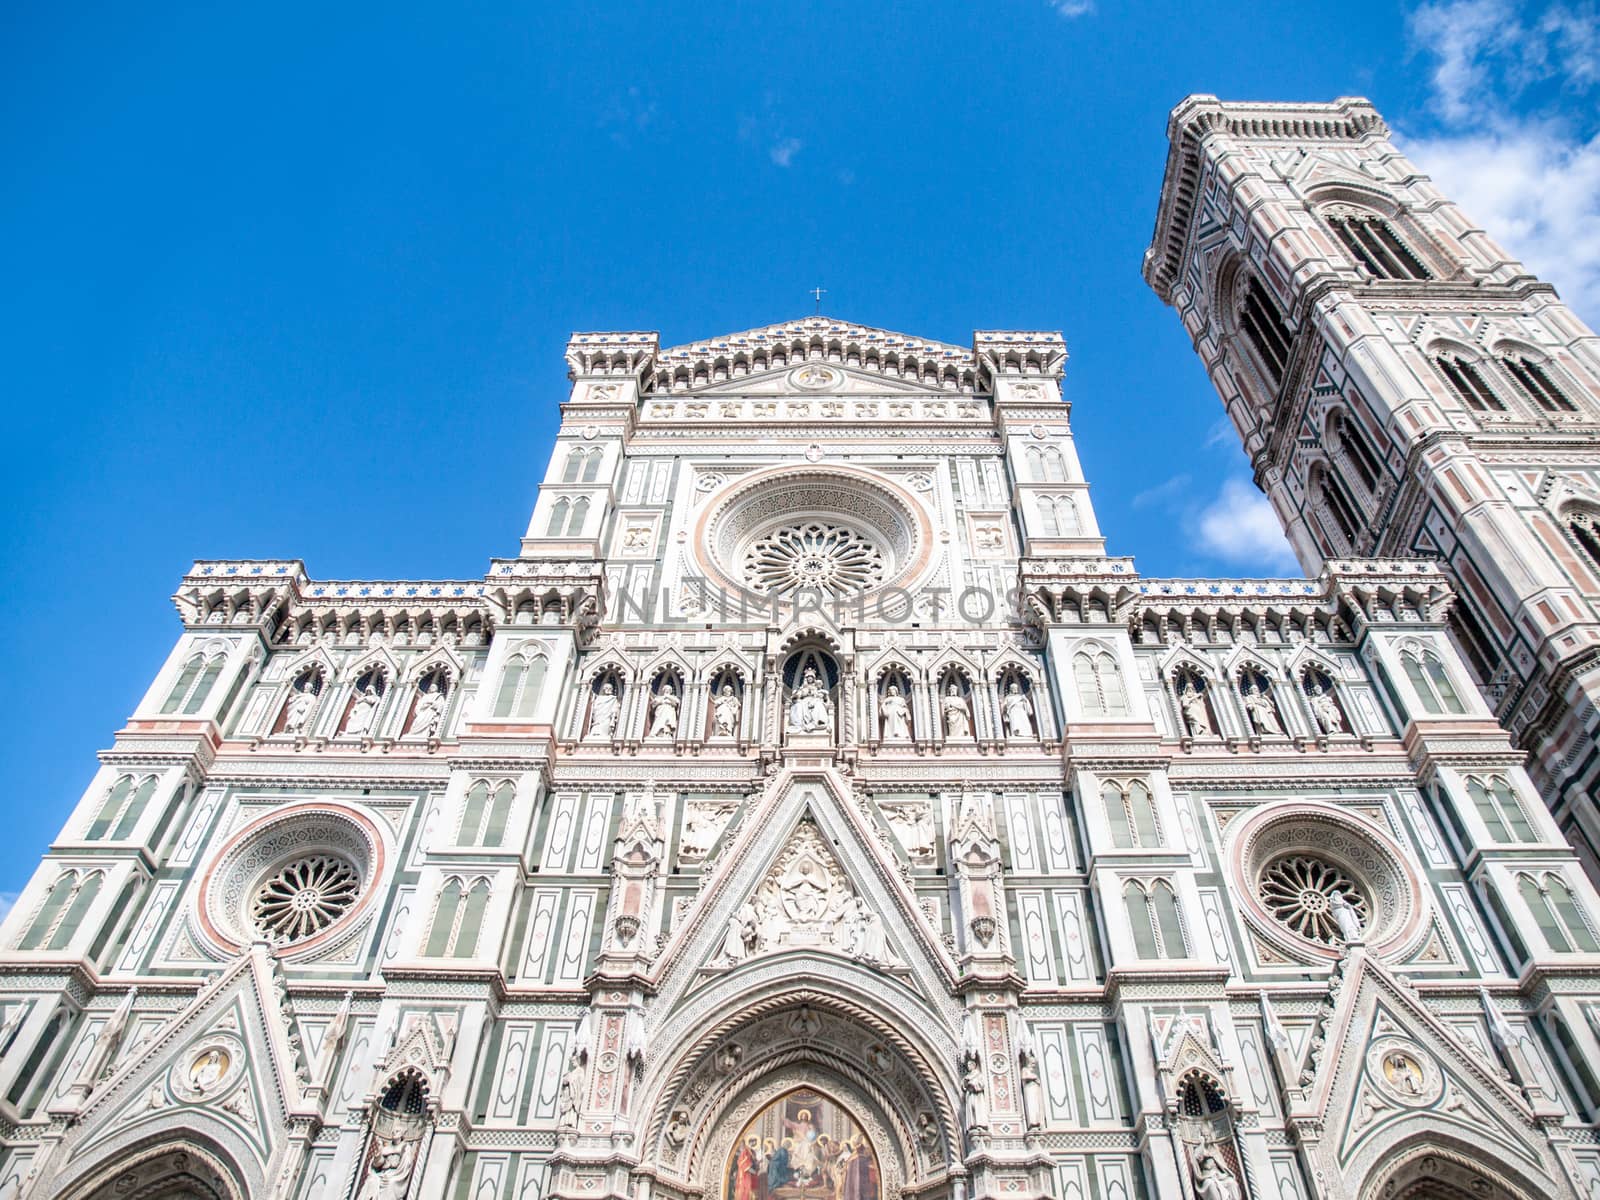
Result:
[1300,867]
[296,877]
[305,896]
[817,554]
[832,528]
[1299,890]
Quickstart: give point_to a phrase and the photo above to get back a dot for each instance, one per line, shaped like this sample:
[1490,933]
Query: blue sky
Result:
[295,281]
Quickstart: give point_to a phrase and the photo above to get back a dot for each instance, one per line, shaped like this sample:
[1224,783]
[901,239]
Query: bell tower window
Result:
[1468,384]
[1537,385]
[1372,242]
[1265,328]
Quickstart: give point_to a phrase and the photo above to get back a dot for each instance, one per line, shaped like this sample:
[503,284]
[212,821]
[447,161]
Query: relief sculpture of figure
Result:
[664,712]
[1018,712]
[810,710]
[896,716]
[1032,1089]
[1258,706]
[1345,917]
[603,714]
[726,712]
[974,1092]
[957,720]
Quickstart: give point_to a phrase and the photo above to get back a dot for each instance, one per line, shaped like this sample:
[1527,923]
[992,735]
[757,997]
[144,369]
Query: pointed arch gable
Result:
[439,656]
[377,656]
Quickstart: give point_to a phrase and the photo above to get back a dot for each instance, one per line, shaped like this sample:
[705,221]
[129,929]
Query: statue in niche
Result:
[603,713]
[208,1069]
[1032,1089]
[429,715]
[896,716]
[1017,710]
[974,1089]
[359,722]
[1258,706]
[957,719]
[927,1133]
[572,1085]
[298,712]
[1192,703]
[664,712]
[389,1169]
[725,712]
[1213,1181]
[1324,706]
[810,708]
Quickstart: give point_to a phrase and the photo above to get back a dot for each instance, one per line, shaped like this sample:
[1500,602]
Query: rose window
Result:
[817,554]
[304,896]
[1298,889]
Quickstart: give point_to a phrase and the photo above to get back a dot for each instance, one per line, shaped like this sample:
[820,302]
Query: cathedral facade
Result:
[810,810]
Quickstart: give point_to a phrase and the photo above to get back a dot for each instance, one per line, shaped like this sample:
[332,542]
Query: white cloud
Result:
[1161,492]
[783,151]
[1531,179]
[1239,527]
[1536,190]
[1072,8]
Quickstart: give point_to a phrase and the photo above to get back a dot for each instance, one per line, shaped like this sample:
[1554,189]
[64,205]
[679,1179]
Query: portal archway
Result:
[174,1169]
[1435,1169]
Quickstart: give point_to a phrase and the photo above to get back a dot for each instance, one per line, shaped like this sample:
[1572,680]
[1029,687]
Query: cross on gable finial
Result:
[819,293]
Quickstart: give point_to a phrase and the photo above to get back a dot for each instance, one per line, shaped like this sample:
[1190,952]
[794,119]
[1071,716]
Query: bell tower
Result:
[1403,387]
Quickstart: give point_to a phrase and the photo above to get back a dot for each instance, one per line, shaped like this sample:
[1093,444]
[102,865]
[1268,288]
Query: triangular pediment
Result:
[1387,1071]
[804,332]
[805,872]
[227,1066]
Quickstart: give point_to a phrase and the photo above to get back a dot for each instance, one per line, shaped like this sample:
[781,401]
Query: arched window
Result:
[1585,530]
[558,518]
[519,686]
[1054,465]
[1556,912]
[123,807]
[484,815]
[1431,682]
[444,920]
[580,514]
[1336,506]
[1468,383]
[1537,384]
[194,684]
[1048,524]
[1265,330]
[1499,809]
[1131,814]
[1168,924]
[1100,689]
[1153,914]
[576,457]
[1141,921]
[1345,437]
[1372,242]
[1570,915]
[62,912]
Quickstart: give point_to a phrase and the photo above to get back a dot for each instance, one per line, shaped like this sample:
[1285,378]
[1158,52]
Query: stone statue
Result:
[1258,707]
[725,712]
[974,1089]
[365,709]
[299,710]
[810,710]
[572,1085]
[743,935]
[1345,916]
[678,1128]
[429,715]
[1213,1181]
[1032,1089]
[206,1070]
[1017,710]
[664,712]
[603,713]
[870,944]
[1192,702]
[1324,707]
[957,720]
[927,1133]
[388,1170]
[896,716]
